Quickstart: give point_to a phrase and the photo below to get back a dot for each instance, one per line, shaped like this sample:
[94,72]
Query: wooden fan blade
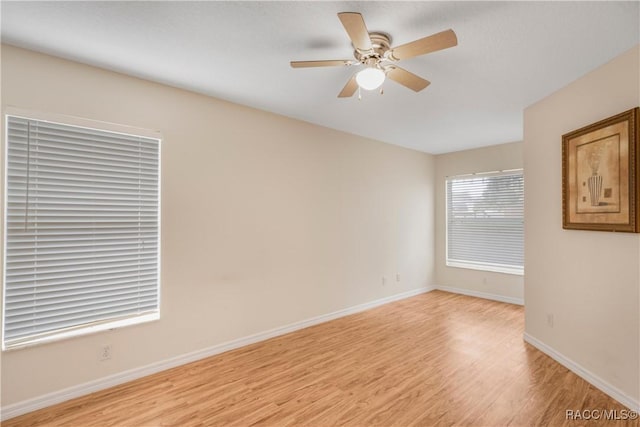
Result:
[405,78]
[349,89]
[357,30]
[433,43]
[328,63]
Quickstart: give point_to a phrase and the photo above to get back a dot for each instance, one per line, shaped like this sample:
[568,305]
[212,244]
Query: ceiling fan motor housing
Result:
[380,42]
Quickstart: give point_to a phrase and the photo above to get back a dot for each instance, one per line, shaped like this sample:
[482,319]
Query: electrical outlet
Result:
[397,277]
[550,320]
[105,352]
[384,280]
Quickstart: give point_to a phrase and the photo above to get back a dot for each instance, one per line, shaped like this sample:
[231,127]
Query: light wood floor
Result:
[435,359]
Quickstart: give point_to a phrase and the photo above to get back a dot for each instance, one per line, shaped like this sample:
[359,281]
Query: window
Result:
[81,230]
[485,221]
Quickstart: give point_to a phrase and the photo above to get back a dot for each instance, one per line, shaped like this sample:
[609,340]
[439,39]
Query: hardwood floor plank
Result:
[434,359]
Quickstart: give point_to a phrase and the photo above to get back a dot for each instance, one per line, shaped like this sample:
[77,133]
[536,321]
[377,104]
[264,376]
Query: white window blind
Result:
[485,222]
[81,230]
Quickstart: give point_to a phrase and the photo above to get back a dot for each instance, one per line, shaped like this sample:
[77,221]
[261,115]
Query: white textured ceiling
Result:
[509,55]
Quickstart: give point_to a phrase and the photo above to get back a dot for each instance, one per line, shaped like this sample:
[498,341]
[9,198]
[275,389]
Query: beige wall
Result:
[589,281]
[266,220]
[505,287]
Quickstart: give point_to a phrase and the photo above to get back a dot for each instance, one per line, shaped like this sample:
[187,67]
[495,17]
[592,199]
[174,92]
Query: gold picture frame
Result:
[600,175]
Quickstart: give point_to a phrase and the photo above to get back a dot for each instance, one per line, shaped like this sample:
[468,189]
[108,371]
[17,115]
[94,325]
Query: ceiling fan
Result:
[374,51]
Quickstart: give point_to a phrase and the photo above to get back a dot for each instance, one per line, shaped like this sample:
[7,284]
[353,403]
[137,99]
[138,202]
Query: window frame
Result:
[473,265]
[98,326]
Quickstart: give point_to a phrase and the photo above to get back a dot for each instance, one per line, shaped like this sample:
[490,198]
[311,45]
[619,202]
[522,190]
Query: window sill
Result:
[487,267]
[76,332]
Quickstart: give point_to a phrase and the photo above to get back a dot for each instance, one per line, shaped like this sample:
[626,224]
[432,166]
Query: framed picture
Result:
[600,177]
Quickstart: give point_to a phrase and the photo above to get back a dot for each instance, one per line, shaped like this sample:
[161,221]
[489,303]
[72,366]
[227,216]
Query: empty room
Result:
[320,213]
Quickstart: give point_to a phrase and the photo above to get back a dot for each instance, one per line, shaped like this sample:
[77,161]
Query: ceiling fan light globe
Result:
[370,78]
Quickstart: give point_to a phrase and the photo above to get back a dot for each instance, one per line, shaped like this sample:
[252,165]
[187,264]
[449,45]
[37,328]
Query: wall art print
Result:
[600,181]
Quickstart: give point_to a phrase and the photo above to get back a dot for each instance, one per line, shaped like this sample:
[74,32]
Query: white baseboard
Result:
[63,395]
[585,374]
[485,295]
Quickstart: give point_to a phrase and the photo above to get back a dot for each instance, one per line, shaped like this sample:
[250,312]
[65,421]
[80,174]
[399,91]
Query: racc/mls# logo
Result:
[601,414]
